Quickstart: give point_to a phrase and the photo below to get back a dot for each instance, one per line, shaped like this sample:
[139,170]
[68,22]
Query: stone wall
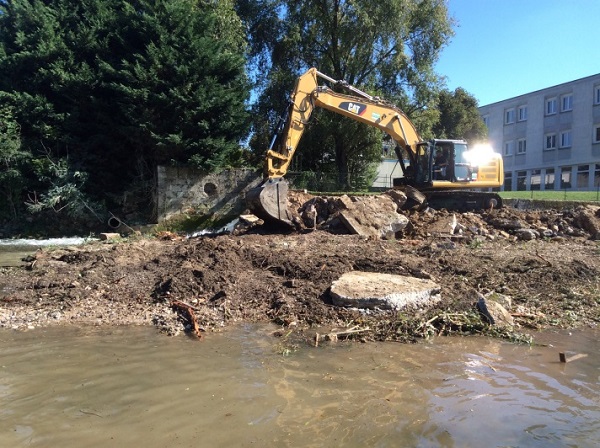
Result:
[188,191]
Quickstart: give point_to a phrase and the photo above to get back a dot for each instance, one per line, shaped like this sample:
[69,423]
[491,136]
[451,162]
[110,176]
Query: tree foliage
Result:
[459,117]
[12,160]
[387,48]
[109,89]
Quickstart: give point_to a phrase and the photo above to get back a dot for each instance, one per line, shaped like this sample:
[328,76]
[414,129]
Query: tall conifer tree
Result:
[109,89]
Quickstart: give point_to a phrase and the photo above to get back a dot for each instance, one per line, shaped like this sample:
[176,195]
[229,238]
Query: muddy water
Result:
[12,251]
[134,387]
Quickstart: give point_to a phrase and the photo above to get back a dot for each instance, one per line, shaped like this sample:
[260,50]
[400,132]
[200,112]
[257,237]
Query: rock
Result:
[384,291]
[344,202]
[446,245]
[495,313]
[502,299]
[587,218]
[109,236]
[506,224]
[250,219]
[526,234]
[373,217]
[310,216]
[399,197]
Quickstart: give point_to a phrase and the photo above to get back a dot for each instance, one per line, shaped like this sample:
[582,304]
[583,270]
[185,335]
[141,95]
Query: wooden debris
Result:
[564,358]
[335,334]
[191,316]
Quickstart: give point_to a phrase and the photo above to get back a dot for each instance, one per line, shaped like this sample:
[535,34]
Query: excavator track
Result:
[463,201]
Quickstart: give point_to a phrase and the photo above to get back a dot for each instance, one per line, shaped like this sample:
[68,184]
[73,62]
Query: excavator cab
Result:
[440,162]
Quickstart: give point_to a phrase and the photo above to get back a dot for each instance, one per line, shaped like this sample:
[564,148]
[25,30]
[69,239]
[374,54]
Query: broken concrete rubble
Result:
[376,217]
[369,216]
[373,290]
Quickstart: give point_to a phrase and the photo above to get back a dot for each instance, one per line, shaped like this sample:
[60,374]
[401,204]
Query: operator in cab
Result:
[440,164]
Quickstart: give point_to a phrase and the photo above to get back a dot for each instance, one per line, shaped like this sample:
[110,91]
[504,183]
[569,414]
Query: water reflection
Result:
[66,387]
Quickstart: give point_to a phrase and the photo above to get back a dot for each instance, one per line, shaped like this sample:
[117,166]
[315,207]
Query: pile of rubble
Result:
[381,216]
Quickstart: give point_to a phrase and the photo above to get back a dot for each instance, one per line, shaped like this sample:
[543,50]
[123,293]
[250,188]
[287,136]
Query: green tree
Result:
[109,89]
[459,117]
[387,48]
[12,160]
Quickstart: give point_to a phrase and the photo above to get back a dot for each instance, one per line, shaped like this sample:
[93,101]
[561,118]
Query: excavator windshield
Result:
[462,166]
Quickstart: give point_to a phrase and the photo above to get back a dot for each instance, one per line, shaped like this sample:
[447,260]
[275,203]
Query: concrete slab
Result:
[372,290]
[372,216]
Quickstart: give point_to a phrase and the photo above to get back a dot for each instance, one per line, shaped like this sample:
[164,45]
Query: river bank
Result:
[253,276]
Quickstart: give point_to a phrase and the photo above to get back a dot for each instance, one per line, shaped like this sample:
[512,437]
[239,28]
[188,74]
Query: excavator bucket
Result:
[269,201]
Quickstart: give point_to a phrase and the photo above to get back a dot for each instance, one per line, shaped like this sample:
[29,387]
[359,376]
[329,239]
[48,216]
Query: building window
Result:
[583,176]
[549,179]
[551,106]
[486,120]
[522,113]
[521,180]
[509,116]
[565,139]
[597,176]
[565,177]
[550,141]
[509,148]
[597,95]
[597,134]
[535,180]
[507,181]
[521,146]
[566,103]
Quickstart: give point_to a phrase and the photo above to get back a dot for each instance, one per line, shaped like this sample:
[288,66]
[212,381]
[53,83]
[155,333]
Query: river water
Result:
[12,251]
[128,386]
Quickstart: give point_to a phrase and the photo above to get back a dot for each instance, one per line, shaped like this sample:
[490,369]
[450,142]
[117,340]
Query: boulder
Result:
[495,313]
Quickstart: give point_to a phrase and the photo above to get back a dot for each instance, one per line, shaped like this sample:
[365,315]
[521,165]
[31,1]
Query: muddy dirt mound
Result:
[543,263]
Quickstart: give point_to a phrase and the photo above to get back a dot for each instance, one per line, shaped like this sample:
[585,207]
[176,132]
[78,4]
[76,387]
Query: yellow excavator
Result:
[439,173]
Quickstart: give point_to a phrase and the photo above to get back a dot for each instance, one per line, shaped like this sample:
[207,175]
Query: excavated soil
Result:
[551,279]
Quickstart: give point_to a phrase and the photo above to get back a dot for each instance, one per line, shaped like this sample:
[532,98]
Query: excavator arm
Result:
[269,201]
[361,107]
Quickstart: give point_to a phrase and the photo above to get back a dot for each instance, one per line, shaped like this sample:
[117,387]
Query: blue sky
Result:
[505,48]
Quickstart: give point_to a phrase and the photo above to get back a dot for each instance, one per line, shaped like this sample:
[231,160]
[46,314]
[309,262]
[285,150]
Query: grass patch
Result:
[546,195]
[554,195]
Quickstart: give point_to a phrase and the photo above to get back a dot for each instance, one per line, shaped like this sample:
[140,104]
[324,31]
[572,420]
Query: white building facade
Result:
[549,139]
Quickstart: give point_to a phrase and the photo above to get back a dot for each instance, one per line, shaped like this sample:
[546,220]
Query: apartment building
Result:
[549,139]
